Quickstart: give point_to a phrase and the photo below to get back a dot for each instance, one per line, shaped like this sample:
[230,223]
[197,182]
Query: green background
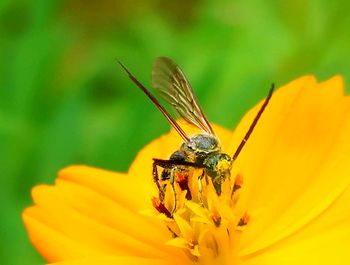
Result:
[64,100]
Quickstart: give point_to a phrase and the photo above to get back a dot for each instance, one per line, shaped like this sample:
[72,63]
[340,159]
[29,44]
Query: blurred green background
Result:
[64,100]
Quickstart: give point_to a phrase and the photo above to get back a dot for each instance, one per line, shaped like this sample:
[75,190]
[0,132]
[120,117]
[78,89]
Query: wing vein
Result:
[172,85]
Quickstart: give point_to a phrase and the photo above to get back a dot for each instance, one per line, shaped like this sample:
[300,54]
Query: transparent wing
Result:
[170,82]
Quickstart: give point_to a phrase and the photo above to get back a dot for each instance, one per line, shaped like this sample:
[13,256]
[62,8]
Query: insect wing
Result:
[172,85]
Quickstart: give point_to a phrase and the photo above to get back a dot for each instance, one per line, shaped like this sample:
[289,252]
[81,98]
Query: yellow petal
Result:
[198,210]
[295,165]
[325,240]
[50,243]
[131,192]
[84,219]
[185,228]
[329,247]
[106,260]
[178,242]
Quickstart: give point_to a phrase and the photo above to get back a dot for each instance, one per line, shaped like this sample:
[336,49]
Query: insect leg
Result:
[172,183]
[156,180]
[200,186]
[170,165]
[166,164]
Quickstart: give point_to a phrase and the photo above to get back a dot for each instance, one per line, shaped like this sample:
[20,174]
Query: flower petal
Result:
[131,192]
[324,241]
[84,219]
[105,260]
[295,165]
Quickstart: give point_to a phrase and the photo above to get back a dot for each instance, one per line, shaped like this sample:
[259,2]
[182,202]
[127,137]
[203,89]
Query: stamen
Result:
[203,223]
[216,218]
[193,248]
[190,245]
[238,184]
[244,220]
[182,180]
[160,207]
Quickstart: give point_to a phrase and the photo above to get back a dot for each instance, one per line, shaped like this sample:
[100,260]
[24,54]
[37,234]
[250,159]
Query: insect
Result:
[201,151]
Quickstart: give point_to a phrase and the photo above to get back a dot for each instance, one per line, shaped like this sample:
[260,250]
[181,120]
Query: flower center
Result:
[204,224]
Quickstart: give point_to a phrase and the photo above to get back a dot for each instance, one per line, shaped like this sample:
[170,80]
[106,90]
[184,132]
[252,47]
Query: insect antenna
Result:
[166,114]
[255,121]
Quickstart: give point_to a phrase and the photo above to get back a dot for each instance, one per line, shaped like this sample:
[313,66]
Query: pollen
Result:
[223,166]
[207,226]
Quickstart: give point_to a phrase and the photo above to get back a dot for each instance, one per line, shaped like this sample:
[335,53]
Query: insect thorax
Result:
[205,151]
[199,147]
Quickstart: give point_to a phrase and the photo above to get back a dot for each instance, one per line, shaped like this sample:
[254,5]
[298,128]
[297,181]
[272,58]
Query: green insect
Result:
[201,151]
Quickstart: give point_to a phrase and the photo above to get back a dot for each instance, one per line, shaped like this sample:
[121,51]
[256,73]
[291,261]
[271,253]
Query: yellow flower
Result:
[287,202]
